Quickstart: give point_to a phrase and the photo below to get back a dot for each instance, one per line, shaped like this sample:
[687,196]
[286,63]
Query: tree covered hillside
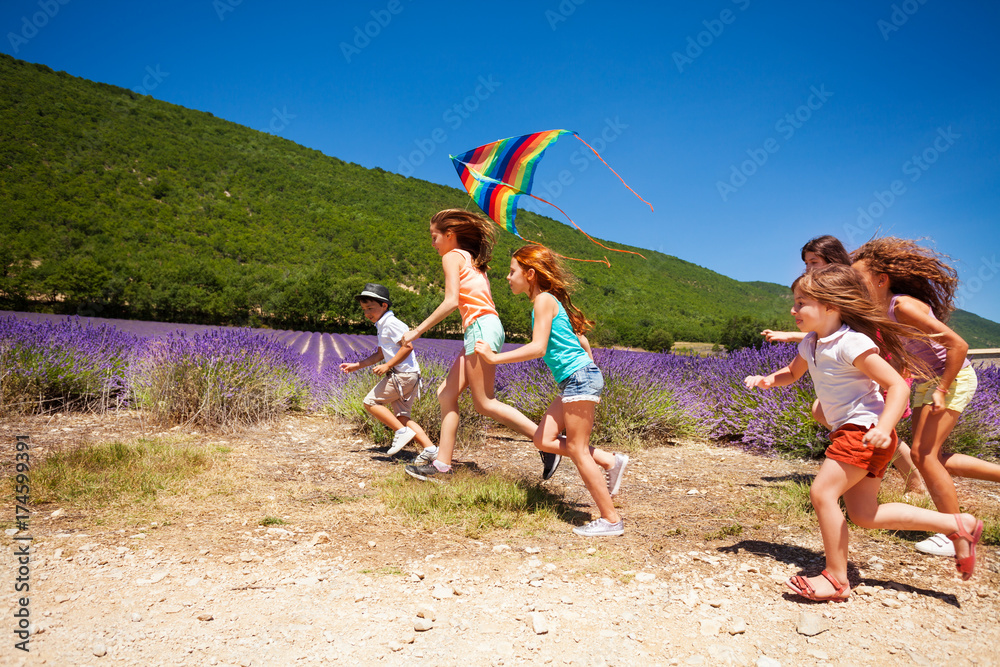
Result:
[121,205]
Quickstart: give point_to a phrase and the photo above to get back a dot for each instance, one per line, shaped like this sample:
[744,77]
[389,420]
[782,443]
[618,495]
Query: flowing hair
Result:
[843,288]
[554,278]
[913,270]
[475,233]
[829,248]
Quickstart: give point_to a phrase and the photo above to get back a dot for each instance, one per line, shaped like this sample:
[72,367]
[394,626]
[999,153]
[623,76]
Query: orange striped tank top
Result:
[474,296]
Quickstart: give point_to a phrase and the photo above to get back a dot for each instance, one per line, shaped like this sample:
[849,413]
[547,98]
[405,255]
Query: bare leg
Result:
[577,417]
[962,465]
[481,376]
[384,415]
[416,428]
[903,462]
[832,481]
[448,393]
[864,510]
[929,433]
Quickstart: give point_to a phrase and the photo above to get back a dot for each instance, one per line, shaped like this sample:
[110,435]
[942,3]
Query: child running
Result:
[557,335]
[397,364]
[821,251]
[465,241]
[832,306]
[915,287]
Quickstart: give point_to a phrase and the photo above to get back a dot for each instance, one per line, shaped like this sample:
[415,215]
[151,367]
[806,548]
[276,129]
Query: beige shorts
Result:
[400,390]
[959,393]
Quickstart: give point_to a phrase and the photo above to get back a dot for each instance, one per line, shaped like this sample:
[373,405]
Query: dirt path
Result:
[196,581]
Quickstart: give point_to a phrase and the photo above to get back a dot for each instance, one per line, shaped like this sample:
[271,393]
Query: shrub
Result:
[53,365]
[225,378]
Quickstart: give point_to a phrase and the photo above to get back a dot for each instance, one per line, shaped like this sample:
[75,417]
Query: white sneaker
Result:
[601,528]
[937,545]
[616,472]
[426,456]
[401,439]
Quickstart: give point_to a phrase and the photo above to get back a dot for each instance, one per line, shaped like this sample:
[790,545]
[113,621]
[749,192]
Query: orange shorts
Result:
[846,447]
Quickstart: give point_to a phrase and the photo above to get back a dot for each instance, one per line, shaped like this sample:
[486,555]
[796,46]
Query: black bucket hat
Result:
[376,292]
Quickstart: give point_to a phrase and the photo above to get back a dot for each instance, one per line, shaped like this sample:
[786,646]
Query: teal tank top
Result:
[563,355]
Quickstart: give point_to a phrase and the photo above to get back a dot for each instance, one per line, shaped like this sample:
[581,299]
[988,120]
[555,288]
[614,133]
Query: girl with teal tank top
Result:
[557,337]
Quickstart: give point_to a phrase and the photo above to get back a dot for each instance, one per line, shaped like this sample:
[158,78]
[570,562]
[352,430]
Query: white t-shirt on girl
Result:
[847,395]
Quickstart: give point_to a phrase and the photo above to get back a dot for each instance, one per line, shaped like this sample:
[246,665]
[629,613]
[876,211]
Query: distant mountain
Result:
[119,205]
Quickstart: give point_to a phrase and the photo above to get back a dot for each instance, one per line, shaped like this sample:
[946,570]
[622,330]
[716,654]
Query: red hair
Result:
[552,277]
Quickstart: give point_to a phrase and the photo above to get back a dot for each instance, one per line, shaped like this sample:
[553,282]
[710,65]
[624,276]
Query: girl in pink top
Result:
[915,287]
[465,241]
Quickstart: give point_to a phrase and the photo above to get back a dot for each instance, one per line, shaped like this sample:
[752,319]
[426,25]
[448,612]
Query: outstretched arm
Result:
[452,264]
[545,310]
[370,360]
[782,336]
[781,378]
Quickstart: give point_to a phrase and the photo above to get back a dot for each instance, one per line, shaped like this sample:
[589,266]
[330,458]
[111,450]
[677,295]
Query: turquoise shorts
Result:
[486,328]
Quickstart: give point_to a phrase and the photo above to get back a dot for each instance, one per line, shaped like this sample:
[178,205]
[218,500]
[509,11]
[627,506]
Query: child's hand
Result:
[409,337]
[349,368]
[484,351]
[937,402]
[381,369]
[877,438]
[758,381]
[777,336]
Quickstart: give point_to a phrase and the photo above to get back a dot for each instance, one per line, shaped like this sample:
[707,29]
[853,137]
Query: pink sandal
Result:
[968,564]
[802,587]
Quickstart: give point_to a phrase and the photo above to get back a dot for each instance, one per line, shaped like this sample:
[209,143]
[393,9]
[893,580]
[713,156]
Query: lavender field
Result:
[230,378]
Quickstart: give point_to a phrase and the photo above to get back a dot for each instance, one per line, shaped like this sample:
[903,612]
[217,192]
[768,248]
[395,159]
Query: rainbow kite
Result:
[497,174]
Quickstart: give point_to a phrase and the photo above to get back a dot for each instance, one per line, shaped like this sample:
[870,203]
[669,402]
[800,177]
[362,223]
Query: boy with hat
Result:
[400,384]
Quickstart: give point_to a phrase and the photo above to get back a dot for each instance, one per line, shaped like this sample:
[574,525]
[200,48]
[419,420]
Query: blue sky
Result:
[751,126]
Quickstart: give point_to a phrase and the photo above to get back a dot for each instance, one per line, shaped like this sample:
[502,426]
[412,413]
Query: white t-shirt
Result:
[390,331]
[847,395]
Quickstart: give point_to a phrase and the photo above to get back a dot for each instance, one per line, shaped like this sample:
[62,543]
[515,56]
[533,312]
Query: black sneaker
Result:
[426,473]
[549,464]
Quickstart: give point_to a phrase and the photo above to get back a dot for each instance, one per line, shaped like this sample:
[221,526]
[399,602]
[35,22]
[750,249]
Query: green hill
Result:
[120,205]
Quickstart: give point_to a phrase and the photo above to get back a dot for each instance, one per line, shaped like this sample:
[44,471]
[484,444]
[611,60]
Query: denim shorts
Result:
[486,328]
[586,384]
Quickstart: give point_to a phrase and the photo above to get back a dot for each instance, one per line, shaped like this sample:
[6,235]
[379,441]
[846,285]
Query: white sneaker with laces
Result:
[937,545]
[401,439]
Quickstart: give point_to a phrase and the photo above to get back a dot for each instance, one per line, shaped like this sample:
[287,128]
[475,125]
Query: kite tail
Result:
[613,172]
[604,261]
[592,239]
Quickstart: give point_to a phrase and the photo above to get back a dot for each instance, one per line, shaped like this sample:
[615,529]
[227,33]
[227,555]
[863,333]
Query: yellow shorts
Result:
[959,393]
